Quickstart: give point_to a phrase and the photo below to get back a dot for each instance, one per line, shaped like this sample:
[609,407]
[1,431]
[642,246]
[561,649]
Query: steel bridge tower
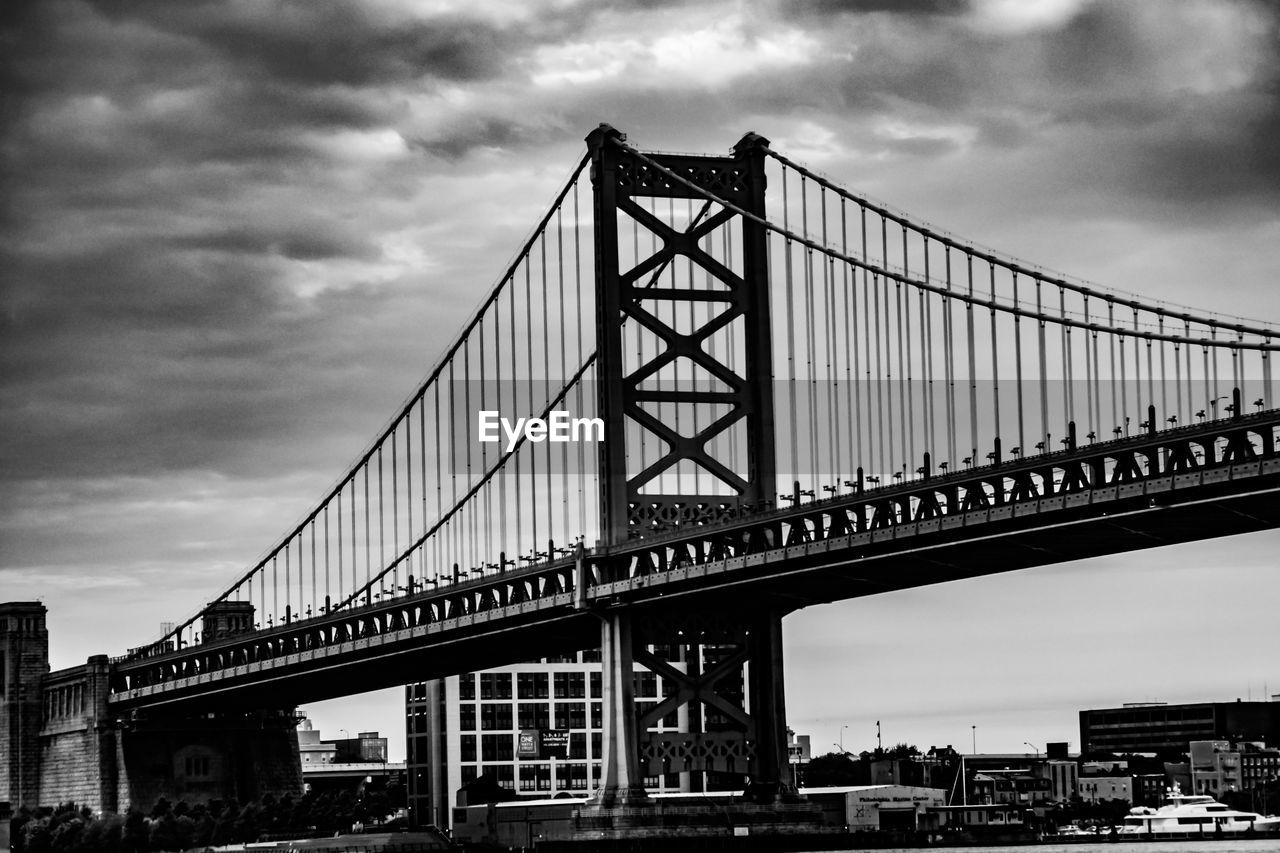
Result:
[632,504]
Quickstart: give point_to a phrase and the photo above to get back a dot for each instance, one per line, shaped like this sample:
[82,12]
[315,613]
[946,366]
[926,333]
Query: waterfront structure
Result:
[365,747]
[871,808]
[798,756]
[312,751]
[1215,767]
[1259,764]
[1099,787]
[352,764]
[1168,730]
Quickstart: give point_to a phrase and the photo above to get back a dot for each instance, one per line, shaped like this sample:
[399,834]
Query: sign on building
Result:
[555,743]
[543,743]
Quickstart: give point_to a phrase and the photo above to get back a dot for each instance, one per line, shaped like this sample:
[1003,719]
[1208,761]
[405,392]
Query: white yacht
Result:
[1192,814]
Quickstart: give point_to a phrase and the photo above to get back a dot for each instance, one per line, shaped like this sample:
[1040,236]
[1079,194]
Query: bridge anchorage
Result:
[807,397]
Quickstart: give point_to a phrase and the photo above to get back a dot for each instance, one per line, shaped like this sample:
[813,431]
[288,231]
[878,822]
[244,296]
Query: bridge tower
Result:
[637,498]
[24,663]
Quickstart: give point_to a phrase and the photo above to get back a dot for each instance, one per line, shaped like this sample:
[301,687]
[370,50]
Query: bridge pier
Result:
[198,758]
[730,691]
[772,779]
[621,782]
[60,740]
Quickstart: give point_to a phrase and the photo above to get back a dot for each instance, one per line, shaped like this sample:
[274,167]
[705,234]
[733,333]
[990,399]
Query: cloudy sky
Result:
[234,235]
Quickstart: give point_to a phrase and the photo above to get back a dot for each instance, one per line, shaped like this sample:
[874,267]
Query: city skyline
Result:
[236,238]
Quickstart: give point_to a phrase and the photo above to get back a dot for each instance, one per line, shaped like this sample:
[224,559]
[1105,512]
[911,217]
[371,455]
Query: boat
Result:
[1194,814]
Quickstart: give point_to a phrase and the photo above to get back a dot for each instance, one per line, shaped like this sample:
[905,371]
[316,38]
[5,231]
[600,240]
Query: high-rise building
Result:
[535,729]
[1168,730]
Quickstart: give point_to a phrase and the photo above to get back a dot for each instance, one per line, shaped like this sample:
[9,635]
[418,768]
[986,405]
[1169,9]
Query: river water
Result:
[1256,845]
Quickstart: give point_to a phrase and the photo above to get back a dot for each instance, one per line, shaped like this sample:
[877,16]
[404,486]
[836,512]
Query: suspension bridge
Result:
[805,395]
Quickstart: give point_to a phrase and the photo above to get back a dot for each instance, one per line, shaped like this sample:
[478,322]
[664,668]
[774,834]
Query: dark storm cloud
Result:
[456,139]
[322,44]
[896,7]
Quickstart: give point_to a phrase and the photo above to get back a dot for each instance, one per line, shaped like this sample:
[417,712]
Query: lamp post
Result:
[1033,746]
[842,728]
[975,738]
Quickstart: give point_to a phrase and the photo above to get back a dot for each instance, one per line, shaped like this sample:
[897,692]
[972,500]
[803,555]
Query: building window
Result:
[531,685]
[495,685]
[467,717]
[496,748]
[196,766]
[570,685]
[571,715]
[495,717]
[506,775]
[646,684]
[467,687]
[576,777]
[597,682]
[578,746]
[534,715]
[467,748]
[597,715]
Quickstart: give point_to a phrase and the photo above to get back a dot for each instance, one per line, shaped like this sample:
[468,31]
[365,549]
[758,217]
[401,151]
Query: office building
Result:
[534,730]
[1168,730]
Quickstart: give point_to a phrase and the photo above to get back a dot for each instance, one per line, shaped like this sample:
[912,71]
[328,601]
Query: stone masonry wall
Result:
[59,743]
[203,758]
[77,752]
[24,662]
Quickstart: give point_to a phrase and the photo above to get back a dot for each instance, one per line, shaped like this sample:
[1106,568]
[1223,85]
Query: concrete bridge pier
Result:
[621,780]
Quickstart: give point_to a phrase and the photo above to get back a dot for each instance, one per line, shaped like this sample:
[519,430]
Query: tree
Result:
[831,770]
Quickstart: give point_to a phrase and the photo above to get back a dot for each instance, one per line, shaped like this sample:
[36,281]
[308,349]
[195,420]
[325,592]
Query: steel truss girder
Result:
[1213,452]
[618,178]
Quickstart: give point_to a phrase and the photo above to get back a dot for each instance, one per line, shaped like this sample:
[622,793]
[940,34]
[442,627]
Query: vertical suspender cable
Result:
[950,362]
[973,361]
[1017,363]
[1090,387]
[886,377]
[1164,372]
[533,456]
[577,281]
[995,358]
[852,377]
[905,416]
[791,332]
[851,396]
[1068,398]
[833,367]
[564,370]
[422,476]
[926,355]
[1044,372]
[809,331]
[1187,354]
[546,392]
[1111,351]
